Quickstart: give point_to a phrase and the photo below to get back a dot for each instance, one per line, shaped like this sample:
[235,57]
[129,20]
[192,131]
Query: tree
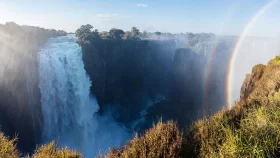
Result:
[127,35]
[116,33]
[135,33]
[84,30]
[84,33]
[105,35]
[144,34]
[158,33]
[190,35]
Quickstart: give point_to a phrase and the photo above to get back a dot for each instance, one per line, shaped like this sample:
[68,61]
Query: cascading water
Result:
[69,110]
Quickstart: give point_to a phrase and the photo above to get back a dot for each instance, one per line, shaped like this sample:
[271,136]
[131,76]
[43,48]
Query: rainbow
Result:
[208,71]
[207,77]
[237,47]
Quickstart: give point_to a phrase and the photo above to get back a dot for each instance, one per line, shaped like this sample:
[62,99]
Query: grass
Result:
[244,131]
[163,140]
[250,129]
[8,147]
[276,60]
[255,134]
[51,151]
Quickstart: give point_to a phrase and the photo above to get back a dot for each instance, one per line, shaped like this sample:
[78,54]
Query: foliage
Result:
[21,35]
[51,150]
[84,30]
[8,150]
[116,33]
[276,60]
[249,129]
[7,147]
[85,33]
[134,34]
[158,33]
[163,140]
[19,46]
[255,133]
[105,35]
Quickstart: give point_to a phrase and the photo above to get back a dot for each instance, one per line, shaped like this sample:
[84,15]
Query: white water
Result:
[69,110]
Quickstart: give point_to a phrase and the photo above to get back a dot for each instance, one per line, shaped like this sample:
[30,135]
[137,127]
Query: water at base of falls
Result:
[69,110]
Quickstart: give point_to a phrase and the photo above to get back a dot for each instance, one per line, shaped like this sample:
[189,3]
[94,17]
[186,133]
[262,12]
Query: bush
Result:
[244,131]
[8,147]
[163,140]
[51,151]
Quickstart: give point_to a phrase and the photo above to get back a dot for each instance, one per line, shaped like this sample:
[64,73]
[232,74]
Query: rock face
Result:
[250,81]
[185,98]
[124,72]
[20,106]
[261,84]
[197,85]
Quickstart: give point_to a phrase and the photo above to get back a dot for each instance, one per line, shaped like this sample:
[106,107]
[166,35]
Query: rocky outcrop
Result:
[261,84]
[250,81]
[250,125]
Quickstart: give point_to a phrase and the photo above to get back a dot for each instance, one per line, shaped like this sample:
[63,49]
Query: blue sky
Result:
[227,17]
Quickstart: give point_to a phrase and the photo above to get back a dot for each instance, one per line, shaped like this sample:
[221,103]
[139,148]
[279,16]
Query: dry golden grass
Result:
[51,151]
[254,132]
[250,129]
[163,140]
[8,147]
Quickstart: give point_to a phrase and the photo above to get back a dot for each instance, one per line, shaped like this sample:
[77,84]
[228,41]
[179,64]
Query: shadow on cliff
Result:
[123,71]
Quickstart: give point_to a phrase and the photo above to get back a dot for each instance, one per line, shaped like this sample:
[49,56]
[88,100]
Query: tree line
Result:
[88,33]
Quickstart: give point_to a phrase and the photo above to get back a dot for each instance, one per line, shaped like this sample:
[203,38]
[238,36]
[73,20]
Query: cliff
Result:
[196,84]
[127,74]
[20,106]
[185,87]
[262,84]
[124,72]
[249,129]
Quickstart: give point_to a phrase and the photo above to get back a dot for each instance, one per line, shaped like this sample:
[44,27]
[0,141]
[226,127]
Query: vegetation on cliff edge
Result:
[249,129]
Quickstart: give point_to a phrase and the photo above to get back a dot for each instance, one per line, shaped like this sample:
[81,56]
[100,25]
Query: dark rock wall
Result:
[20,106]
[123,71]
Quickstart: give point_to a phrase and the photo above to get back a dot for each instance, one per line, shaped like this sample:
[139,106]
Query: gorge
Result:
[100,91]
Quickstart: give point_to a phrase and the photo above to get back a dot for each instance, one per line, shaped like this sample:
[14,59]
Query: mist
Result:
[70,111]
[95,94]
[253,51]
[19,92]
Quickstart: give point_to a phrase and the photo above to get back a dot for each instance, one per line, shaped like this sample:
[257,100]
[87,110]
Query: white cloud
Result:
[142,5]
[111,16]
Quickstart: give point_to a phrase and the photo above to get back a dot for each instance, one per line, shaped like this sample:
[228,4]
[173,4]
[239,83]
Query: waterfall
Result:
[69,110]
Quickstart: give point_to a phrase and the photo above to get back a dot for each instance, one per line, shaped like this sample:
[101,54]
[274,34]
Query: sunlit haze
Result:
[139,78]
[224,17]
